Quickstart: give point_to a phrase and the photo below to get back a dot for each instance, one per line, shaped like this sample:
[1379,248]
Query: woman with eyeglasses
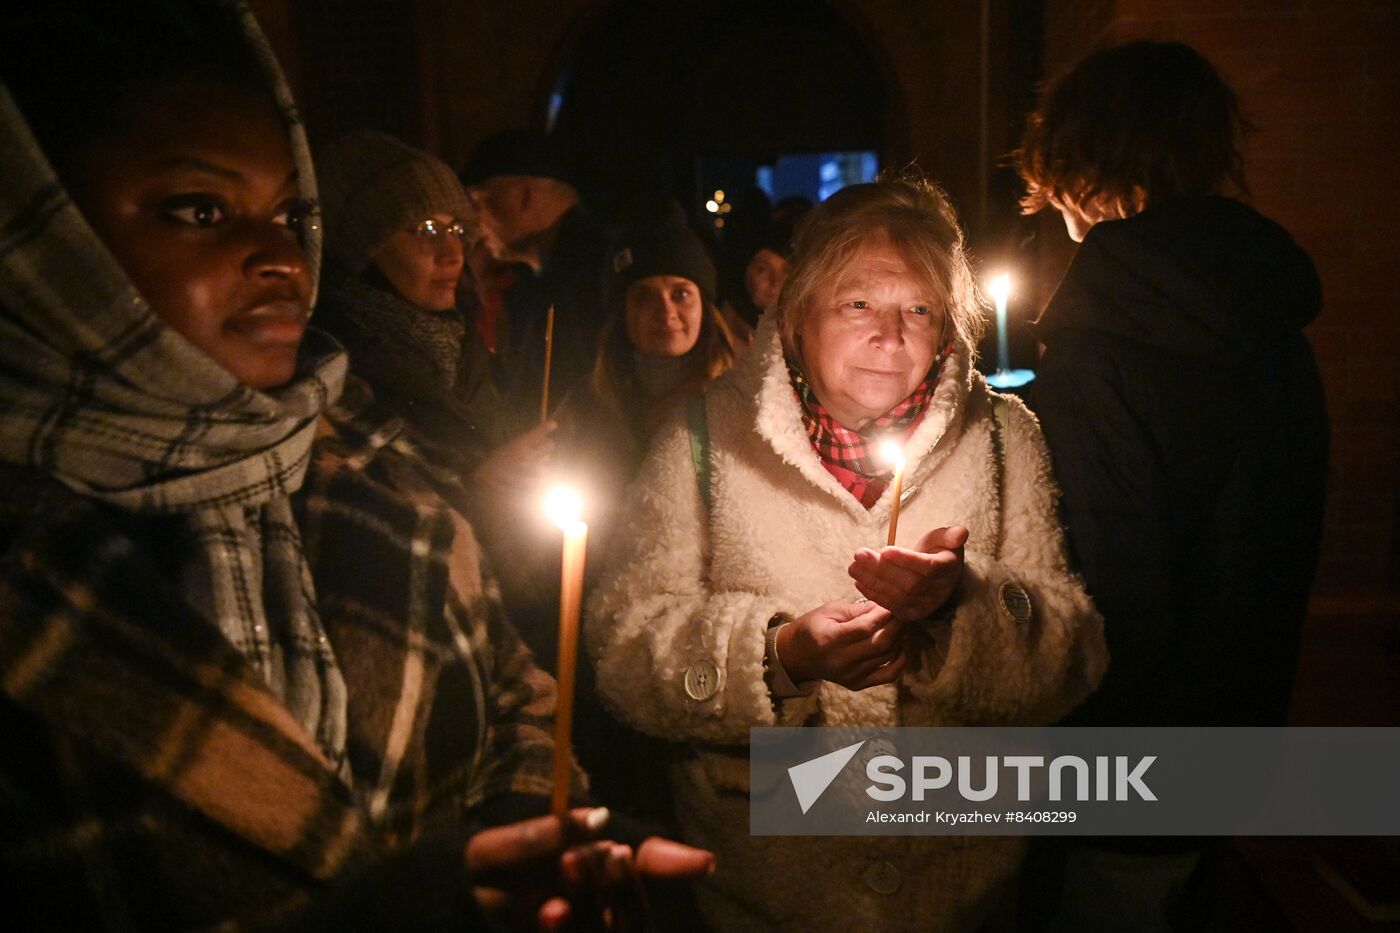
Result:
[398,225]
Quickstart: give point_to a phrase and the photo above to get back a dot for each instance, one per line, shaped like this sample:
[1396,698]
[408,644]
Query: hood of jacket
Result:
[1207,278]
[156,423]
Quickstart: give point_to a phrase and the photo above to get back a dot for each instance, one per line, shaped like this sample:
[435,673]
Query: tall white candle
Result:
[1000,287]
[565,508]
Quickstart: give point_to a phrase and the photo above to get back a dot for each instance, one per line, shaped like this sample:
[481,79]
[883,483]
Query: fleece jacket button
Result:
[1015,602]
[882,877]
[702,680]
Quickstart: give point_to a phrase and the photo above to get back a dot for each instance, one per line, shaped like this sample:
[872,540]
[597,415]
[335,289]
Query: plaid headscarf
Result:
[853,456]
[96,391]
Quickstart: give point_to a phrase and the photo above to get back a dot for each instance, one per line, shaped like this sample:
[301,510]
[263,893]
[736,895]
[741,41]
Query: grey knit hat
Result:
[373,185]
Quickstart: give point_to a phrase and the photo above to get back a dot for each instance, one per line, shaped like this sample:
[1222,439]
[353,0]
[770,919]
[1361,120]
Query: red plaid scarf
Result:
[852,456]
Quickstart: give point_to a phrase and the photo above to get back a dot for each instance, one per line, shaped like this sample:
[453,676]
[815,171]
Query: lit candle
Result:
[894,454]
[1005,377]
[565,508]
[548,356]
[1000,287]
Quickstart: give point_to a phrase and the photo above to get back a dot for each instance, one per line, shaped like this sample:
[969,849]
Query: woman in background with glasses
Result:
[398,225]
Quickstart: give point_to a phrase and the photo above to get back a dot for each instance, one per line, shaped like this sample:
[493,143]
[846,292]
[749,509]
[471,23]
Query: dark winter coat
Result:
[571,281]
[1185,418]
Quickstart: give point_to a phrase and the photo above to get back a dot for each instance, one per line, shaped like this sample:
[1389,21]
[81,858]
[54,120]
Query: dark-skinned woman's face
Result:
[196,196]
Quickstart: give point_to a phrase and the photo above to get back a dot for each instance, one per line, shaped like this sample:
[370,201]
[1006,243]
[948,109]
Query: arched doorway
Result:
[683,100]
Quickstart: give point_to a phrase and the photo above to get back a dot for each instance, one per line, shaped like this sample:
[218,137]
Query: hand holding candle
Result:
[565,508]
[894,454]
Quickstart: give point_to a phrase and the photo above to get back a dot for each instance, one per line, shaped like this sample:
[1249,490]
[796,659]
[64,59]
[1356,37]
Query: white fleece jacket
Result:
[676,633]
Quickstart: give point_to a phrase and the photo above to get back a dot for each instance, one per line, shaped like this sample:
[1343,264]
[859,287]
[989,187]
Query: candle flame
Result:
[564,506]
[892,453]
[1000,287]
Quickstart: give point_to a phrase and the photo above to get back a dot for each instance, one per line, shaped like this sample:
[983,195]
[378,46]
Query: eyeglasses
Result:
[432,234]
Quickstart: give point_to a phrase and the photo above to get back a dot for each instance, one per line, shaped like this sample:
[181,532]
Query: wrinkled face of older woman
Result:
[663,315]
[869,340]
[197,198]
[424,262]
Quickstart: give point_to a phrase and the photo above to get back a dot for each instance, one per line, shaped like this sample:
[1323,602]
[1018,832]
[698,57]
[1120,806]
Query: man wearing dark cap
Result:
[530,212]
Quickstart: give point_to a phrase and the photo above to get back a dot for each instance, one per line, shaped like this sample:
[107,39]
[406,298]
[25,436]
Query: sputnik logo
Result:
[811,778]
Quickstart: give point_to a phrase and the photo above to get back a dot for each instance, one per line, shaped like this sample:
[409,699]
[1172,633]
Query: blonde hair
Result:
[919,221]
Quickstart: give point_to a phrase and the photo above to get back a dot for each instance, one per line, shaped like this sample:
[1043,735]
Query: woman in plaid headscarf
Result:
[248,677]
[748,588]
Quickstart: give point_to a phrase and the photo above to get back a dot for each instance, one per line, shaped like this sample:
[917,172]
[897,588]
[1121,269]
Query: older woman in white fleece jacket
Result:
[748,586]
